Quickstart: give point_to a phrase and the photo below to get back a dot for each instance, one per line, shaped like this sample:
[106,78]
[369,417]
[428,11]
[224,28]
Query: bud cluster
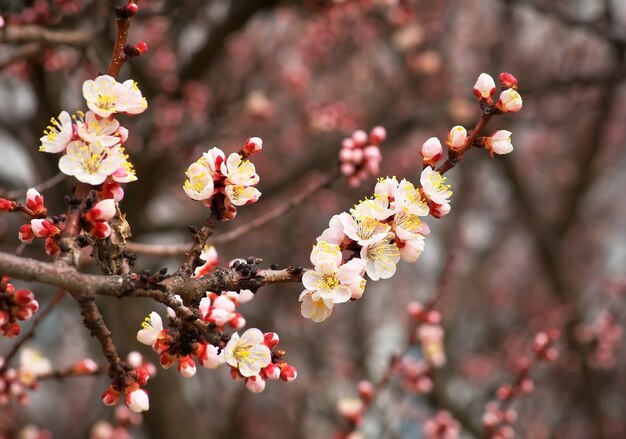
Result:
[136,398]
[429,333]
[360,155]
[458,139]
[124,421]
[95,221]
[497,418]
[14,305]
[442,426]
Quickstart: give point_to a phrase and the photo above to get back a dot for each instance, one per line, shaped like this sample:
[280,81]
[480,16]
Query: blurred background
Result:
[535,240]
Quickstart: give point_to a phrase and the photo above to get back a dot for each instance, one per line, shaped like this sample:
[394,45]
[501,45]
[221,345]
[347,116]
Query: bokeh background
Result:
[535,240]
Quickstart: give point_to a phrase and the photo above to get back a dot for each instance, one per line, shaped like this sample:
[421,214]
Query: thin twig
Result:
[41,187]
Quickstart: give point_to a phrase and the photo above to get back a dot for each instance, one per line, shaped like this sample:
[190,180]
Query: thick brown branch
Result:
[84,286]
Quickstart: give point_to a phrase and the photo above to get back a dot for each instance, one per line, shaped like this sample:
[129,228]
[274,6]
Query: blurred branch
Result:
[73,373]
[41,187]
[239,13]
[603,32]
[26,51]
[45,37]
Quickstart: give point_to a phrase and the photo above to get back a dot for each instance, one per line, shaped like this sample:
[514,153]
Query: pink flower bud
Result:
[23,297]
[51,247]
[12,330]
[42,228]
[272,372]
[346,155]
[26,234]
[366,390]
[166,360]
[378,135]
[132,8]
[499,142]
[86,366]
[431,151]
[456,138]
[350,408]
[372,152]
[510,101]
[255,384]
[253,145]
[6,205]
[34,201]
[485,86]
[372,166]
[186,366]
[288,373]
[357,156]
[270,339]
[508,81]
[439,210]
[354,181]
[433,317]
[360,138]
[237,321]
[112,189]
[504,392]
[102,211]
[141,47]
[348,143]
[22,313]
[415,310]
[110,396]
[347,169]
[138,400]
[235,375]
[101,230]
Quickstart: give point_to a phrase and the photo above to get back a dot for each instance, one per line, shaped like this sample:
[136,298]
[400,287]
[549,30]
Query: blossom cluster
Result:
[429,333]
[14,305]
[385,228]
[136,398]
[376,234]
[92,143]
[252,358]
[360,155]
[442,426]
[249,356]
[14,383]
[225,181]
